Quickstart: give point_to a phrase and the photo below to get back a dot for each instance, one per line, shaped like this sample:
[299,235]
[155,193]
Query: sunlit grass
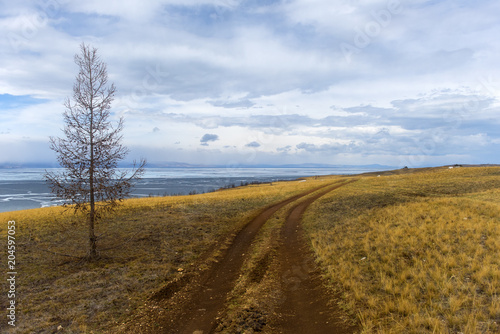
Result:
[260,289]
[414,253]
[145,244]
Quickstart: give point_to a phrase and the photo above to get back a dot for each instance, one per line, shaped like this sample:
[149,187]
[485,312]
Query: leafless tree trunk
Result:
[91,147]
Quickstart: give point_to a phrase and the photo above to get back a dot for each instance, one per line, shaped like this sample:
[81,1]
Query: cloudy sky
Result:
[401,83]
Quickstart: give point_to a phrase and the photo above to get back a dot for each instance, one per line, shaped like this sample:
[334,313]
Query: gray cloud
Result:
[284,149]
[209,138]
[243,103]
[262,121]
[253,144]
[327,148]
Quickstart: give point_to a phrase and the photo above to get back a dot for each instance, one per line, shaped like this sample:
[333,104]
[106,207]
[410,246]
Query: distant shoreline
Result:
[24,188]
[33,193]
[194,166]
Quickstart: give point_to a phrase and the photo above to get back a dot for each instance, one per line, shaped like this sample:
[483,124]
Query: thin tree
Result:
[91,148]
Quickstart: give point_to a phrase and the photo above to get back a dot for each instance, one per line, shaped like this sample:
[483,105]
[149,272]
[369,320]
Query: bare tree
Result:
[91,147]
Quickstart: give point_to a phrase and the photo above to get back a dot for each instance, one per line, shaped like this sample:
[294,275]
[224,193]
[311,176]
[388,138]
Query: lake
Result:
[24,188]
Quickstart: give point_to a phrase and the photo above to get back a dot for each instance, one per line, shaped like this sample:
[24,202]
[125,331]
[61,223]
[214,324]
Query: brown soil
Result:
[192,304]
[306,306]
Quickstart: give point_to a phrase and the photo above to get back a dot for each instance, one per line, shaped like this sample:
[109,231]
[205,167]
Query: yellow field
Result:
[411,252]
[416,252]
[144,245]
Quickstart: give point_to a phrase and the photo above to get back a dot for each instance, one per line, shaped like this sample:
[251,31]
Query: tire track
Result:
[306,306]
[197,312]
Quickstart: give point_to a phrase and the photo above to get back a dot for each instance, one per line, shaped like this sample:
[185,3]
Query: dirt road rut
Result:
[306,306]
[191,306]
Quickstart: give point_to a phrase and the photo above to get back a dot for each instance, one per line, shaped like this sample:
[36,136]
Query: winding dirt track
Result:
[306,306]
[194,309]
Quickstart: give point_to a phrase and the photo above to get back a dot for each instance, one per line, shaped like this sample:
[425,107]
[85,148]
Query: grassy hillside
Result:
[417,252]
[144,245]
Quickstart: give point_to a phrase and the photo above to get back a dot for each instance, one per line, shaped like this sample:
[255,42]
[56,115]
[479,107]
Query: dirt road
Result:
[306,306]
[191,305]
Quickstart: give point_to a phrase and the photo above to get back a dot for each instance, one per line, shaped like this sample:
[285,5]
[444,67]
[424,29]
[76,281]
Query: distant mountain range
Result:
[304,165]
[171,164]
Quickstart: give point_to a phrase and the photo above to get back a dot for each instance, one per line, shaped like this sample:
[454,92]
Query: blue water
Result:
[25,188]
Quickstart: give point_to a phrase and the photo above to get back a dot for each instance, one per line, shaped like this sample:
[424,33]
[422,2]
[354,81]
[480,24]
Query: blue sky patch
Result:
[8,101]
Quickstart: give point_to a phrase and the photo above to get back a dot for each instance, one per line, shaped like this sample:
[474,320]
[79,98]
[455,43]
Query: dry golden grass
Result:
[257,292]
[416,252]
[410,253]
[260,289]
[143,246]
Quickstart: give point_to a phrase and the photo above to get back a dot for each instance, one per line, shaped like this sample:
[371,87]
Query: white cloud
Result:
[269,80]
